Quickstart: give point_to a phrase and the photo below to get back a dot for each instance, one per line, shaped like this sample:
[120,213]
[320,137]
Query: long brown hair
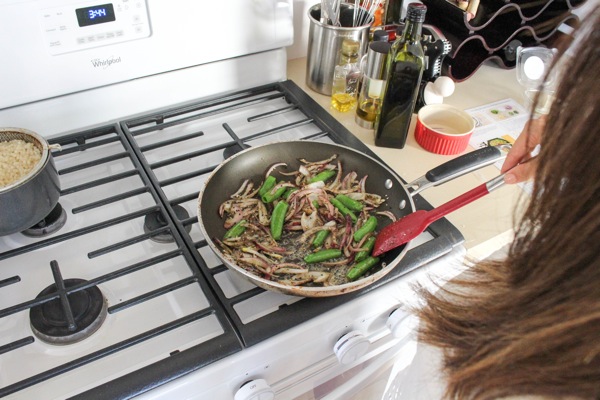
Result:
[530,324]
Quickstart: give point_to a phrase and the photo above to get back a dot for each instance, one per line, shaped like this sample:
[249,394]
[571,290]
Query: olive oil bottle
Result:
[346,77]
[373,83]
[404,71]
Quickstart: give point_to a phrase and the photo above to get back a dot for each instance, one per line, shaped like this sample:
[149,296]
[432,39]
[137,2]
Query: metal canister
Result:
[325,42]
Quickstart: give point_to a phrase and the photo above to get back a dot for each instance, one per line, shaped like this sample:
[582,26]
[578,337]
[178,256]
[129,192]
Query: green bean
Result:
[350,203]
[359,269]
[271,196]
[320,238]
[343,209]
[368,247]
[368,227]
[278,218]
[322,176]
[322,255]
[267,185]
[235,230]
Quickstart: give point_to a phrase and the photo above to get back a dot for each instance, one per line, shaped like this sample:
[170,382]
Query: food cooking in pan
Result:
[314,226]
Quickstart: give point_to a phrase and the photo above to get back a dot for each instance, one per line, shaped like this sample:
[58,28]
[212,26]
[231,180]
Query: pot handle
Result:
[458,166]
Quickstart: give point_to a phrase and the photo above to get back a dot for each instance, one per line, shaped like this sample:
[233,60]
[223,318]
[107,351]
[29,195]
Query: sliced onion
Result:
[263,215]
[343,261]
[358,196]
[256,263]
[303,170]
[308,233]
[257,254]
[316,185]
[363,183]
[319,276]
[273,167]
[242,188]
[338,178]
[327,161]
[288,270]
[272,249]
[388,214]
[311,220]
[297,280]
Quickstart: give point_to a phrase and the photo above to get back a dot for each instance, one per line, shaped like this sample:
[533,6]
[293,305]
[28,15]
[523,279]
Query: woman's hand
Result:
[521,149]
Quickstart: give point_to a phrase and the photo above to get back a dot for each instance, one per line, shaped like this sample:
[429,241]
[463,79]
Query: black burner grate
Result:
[49,329]
[292,100]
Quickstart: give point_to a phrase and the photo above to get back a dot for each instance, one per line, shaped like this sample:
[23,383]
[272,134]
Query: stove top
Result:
[129,235]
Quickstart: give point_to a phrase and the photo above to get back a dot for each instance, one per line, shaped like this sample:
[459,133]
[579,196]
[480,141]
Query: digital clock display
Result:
[95,14]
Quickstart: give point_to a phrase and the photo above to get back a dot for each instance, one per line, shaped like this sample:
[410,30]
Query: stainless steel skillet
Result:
[252,164]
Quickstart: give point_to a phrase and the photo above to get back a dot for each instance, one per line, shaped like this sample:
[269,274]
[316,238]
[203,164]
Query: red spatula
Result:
[412,225]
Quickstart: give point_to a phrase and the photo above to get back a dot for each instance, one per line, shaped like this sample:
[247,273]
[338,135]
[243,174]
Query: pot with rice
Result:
[29,183]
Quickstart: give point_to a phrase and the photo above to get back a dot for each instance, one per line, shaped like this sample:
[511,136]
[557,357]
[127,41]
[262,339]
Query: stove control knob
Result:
[350,347]
[402,323]
[256,389]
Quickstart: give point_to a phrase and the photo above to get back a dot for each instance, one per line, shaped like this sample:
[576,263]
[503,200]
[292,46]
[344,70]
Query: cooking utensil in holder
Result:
[325,43]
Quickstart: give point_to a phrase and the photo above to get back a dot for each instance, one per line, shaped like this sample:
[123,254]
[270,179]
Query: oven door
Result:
[362,364]
[367,379]
[409,370]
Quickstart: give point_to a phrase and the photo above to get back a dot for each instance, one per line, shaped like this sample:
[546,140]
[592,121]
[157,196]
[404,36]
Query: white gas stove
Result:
[158,315]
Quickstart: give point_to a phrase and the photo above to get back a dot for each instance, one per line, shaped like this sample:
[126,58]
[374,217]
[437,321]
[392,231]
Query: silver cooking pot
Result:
[30,199]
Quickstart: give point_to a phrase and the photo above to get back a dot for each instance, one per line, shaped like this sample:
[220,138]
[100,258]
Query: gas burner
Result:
[155,221]
[50,224]
[51,323]
[233,149]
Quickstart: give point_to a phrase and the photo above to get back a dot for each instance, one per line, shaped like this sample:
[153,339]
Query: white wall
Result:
[301,24]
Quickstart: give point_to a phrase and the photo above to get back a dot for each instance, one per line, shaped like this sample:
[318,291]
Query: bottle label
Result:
[352,80]
[404,79]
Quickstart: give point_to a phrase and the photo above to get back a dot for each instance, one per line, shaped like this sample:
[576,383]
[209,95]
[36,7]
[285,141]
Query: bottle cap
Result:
[381,35]
[376,60]
[416,12]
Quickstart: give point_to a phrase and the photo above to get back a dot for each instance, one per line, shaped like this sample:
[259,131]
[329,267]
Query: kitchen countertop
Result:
[486,223]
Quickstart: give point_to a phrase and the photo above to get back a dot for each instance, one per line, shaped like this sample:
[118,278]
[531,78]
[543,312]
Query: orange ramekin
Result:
[443,129]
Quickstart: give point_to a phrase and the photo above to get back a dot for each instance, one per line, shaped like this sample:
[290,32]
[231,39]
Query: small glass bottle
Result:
[369,99]
[404,71]
[346,77]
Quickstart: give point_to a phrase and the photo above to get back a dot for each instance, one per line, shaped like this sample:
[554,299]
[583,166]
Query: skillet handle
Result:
[458,166]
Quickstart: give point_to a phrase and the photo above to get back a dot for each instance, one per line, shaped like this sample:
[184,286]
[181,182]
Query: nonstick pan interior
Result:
[253,163]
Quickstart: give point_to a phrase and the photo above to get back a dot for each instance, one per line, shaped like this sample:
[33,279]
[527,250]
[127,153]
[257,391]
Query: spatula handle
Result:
[465,198]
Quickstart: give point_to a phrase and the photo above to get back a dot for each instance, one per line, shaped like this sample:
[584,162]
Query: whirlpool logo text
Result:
[106,62]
